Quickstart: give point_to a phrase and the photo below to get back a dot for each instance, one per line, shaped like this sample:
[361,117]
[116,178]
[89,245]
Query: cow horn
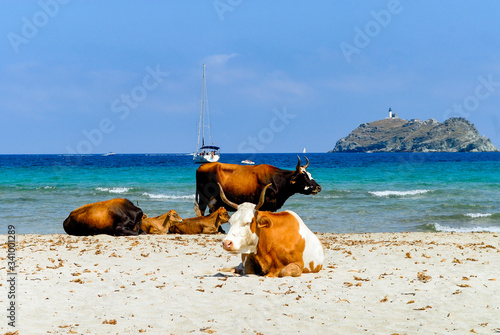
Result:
[223,197]
[298,164]
[262,197]
[307,165]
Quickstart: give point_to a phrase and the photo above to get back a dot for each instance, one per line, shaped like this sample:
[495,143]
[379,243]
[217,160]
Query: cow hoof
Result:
[291,270]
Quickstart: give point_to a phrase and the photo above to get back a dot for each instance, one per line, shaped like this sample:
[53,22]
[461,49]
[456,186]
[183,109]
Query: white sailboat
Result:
[205,153]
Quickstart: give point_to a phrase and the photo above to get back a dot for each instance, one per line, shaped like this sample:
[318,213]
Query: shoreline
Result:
[374,283]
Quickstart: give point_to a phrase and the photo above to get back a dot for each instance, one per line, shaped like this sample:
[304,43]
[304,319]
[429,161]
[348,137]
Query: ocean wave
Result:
[478,215]
[465,207]
[113,189]
[333,194]
[447,229]
[329,196]
[166,196]
[46,188]
[467,218]
[398,193]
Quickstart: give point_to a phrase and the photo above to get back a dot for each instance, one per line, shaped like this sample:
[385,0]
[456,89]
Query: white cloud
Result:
[219,60]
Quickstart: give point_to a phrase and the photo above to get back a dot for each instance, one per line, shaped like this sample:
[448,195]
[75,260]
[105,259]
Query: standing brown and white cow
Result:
[272,244]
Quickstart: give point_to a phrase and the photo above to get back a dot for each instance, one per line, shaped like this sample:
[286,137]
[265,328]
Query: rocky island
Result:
[398,135]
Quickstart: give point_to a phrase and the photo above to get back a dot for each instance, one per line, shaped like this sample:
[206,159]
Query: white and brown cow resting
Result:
[272,244]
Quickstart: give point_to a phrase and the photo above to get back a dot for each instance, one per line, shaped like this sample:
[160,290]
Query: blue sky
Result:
[125,76]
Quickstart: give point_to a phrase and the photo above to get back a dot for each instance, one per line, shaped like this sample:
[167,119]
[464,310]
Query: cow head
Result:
[160,224]
[242,236]
[302,181]
[222,215]
[172,217]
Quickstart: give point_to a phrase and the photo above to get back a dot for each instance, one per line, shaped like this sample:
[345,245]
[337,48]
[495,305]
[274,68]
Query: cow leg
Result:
[128,227]
[213,230]
[123,231]
[291,270]
[245,267]
[212,205]
[250,264]
[208,230]
[138,223]
[200,203]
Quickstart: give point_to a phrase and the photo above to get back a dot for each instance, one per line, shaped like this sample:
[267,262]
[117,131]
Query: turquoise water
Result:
[361,192]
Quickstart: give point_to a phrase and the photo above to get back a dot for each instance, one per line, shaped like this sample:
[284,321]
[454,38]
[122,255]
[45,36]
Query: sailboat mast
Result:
[206,152]
[203,108]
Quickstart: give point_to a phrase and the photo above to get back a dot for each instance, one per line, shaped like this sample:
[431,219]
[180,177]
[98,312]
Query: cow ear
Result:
[263,222]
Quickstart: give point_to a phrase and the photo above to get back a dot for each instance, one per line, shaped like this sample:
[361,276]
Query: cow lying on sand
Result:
[119,217]
[245,184]
[209,224]
[172,223]
[272,244]
[160,224]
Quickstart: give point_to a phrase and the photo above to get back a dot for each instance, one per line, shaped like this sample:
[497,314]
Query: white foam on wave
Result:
[478,215]
[166,196]
[46,188]
[114,189]
[328,196]
[447,229]
[398,193]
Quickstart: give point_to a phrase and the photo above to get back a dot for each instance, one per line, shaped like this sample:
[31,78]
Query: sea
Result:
[377,192]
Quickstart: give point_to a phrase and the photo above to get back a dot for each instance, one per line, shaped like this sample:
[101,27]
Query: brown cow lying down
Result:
[209,224]
[272,244]
[160,224]
[119,217]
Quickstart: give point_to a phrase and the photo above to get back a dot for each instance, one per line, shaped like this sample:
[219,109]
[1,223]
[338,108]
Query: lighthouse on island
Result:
[392,115]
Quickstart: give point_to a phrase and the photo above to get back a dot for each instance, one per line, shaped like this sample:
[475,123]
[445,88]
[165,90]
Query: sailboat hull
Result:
[205,158]
[207,154]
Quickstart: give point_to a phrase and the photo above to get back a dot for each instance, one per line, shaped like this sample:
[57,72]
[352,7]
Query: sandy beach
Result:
[409,283]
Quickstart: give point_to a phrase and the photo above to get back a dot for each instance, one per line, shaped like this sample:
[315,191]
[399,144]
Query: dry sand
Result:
[410,283]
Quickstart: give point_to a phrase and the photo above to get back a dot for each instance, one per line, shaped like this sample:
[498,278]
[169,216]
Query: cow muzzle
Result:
[228,245]
[316,190]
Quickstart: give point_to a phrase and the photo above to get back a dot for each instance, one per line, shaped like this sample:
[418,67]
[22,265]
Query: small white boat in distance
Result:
[304,151]
[109,154]
[247,161]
